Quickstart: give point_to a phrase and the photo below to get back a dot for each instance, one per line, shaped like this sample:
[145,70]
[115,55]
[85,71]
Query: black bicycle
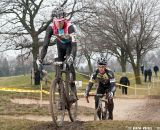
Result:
[101,113]
[61,95]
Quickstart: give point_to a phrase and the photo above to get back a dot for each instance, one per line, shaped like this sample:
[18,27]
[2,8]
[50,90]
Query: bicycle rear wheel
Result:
[57,104]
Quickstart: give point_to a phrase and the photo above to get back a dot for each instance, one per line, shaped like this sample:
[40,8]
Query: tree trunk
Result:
[123,65]
[137,75]
[36,73]
[35,53]
[123,60]
[136,68]
[90,66]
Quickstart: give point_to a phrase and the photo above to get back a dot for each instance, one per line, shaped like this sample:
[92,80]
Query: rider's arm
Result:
[112,87]
[49,33]
[90,84]
[72,33]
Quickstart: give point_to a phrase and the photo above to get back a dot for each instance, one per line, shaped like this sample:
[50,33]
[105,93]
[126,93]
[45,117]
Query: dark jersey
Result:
[105,80]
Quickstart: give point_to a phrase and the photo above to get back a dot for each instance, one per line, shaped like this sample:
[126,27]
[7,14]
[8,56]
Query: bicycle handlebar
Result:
[57,63]
[100,95]
[95,95]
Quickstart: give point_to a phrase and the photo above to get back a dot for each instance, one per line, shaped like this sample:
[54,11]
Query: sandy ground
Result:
[125,108]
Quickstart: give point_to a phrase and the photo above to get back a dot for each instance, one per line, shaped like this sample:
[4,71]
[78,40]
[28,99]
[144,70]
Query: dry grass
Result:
[8,124]
[9,108]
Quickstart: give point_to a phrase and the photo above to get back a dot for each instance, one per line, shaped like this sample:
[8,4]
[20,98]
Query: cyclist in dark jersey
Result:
[106,81]
[65,40]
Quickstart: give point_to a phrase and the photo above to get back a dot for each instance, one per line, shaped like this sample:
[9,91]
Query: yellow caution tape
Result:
[84,82]
[125,86]
[44,91]
[18,90]
[132,87]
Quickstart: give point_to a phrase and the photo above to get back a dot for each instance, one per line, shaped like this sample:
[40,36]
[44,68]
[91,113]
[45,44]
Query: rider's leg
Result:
[73,86]
[110,108]
[61,57]
[61,54]
[96,106]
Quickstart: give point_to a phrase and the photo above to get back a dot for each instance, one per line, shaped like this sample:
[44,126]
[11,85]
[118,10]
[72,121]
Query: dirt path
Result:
[125,109]
[132,108]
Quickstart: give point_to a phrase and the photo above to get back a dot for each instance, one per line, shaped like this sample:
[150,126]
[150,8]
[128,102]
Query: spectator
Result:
[156,69]
[142,69]
[125,81]
[147,73]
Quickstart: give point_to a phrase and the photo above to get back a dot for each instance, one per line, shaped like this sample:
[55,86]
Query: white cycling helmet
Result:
[102,61]
[58,12]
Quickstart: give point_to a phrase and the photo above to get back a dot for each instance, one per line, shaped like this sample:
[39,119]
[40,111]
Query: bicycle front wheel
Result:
[72,111]
[57,104]
[105,112]
[98,115]
[71,106]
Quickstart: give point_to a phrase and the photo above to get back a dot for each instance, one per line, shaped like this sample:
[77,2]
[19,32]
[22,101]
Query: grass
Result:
[20,80]
[9,108]
[25,82]
[10,124]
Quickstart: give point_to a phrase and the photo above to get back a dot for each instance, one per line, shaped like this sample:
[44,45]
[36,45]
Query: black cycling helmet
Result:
[58,12]
[102,61]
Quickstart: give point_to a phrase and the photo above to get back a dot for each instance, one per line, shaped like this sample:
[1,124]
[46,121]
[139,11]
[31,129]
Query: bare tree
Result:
[90,49]
[90,42]
[86,50]
[93,28]
[129,27]
[25,21]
